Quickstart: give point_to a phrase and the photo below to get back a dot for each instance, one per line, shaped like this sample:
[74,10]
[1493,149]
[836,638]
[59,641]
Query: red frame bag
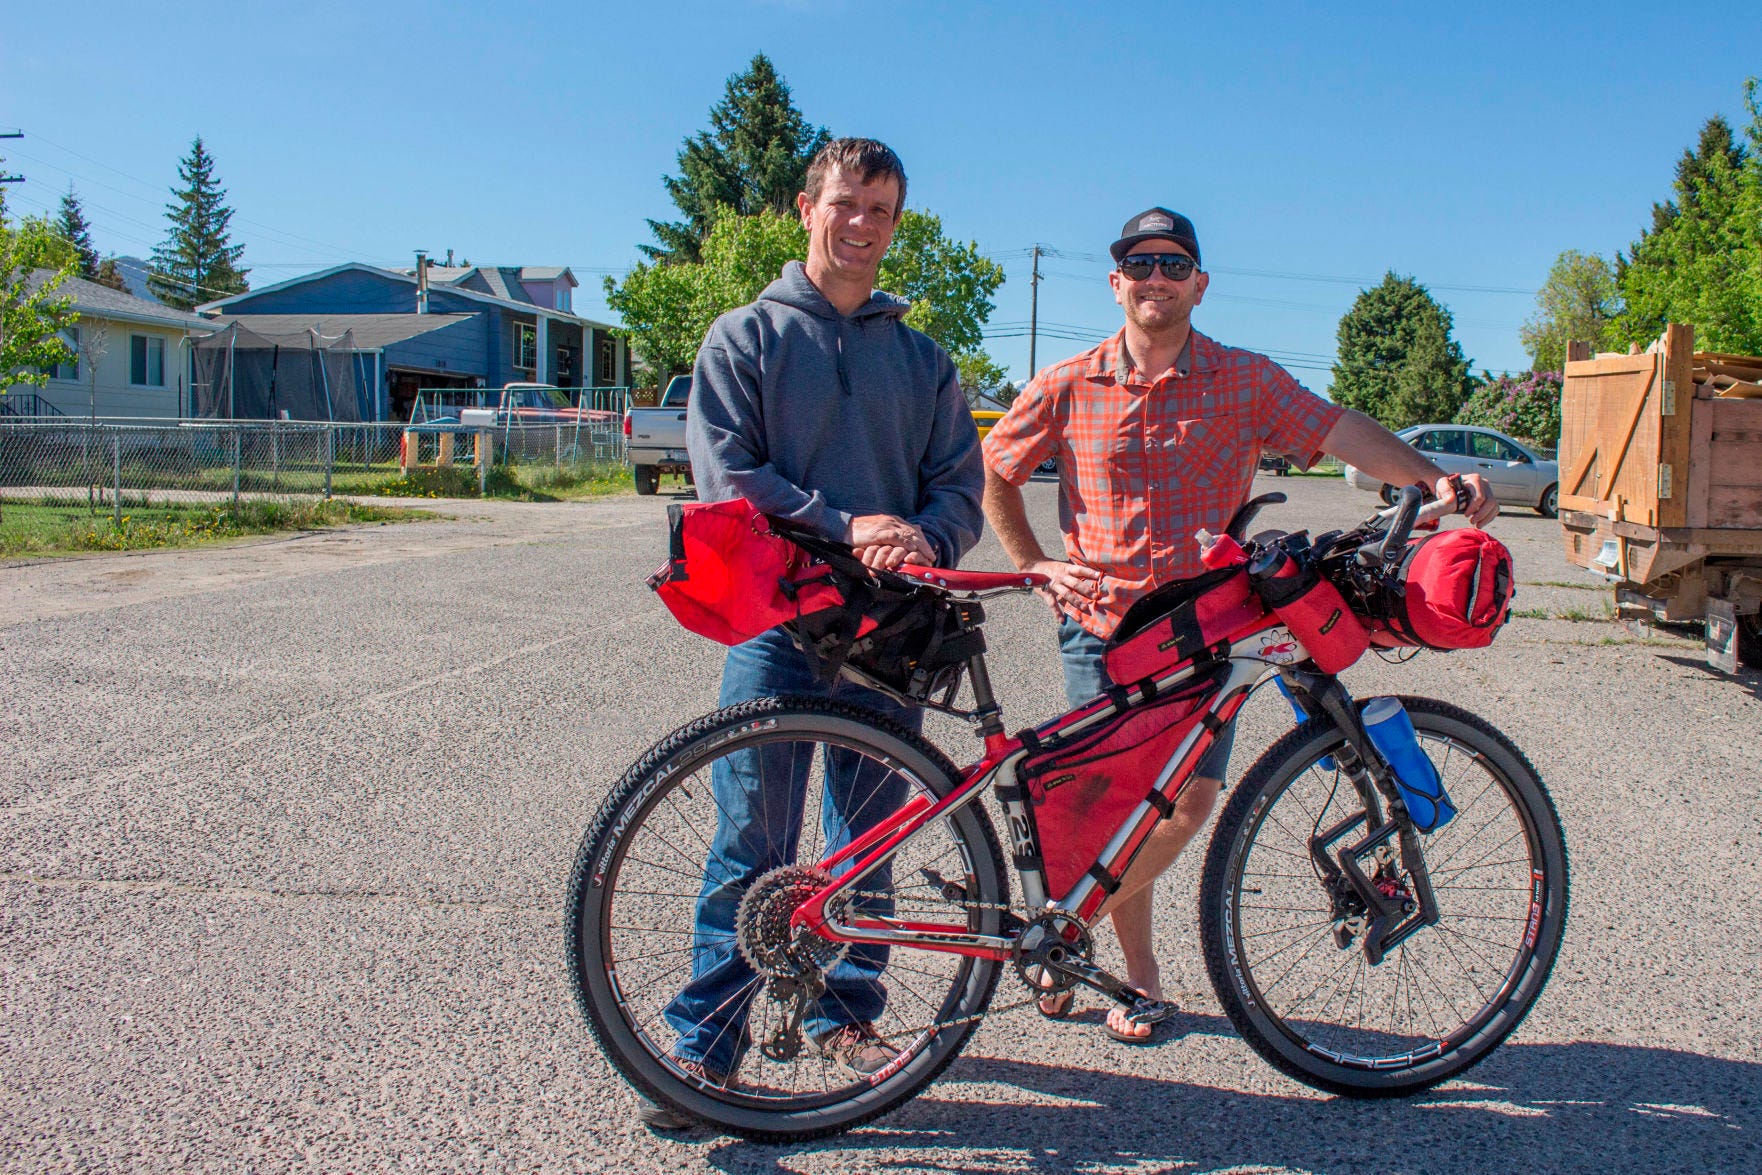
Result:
[1178,621]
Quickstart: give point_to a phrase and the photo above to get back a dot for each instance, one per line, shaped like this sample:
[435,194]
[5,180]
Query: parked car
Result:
[1518,475]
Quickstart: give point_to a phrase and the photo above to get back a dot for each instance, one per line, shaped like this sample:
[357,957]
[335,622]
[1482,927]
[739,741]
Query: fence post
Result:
[235,469]
[486,446]
[329,457]
[116,479]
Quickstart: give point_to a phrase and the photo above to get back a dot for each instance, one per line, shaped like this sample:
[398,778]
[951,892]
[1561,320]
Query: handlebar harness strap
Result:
[1451,590]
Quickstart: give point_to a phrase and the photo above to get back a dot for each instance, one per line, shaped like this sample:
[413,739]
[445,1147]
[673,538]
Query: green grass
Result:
[1562,583]
[540,483]
[1575,614]
[59,526]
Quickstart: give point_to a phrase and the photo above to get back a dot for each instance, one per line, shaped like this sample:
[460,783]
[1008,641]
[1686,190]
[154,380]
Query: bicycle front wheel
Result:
[1297,983]
[681,894]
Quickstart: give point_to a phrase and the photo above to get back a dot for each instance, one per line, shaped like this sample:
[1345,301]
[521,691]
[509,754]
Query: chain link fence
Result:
[117,464]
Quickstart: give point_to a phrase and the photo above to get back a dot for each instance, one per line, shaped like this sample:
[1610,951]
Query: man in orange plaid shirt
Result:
[1158,432]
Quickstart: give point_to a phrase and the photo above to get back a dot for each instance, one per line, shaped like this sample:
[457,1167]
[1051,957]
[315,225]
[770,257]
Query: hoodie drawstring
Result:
[843,373]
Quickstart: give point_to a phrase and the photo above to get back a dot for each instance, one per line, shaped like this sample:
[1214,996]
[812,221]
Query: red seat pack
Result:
[1080,790]
[1452,590]
[1178,621]
[729,577]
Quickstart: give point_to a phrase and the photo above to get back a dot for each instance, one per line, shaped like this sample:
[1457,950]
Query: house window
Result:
[146,361]
[608,349]
[70,369]
[525,347]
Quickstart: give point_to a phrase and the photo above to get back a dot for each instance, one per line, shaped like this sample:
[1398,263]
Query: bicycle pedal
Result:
[1149,1011]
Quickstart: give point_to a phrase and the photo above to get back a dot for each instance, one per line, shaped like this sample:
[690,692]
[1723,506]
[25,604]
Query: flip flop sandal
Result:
[1062,1003]
[1146,1012]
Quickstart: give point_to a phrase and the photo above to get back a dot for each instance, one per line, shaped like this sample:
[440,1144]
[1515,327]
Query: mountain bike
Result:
[1351,950]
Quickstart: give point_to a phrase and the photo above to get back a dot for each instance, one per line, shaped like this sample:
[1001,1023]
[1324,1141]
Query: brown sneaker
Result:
[660,1117]
[857,1049]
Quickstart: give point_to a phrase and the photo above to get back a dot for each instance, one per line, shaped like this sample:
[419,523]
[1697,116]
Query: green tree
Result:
[752,159]
[667,308]
[980,375]
[77,231]
[109,274]
[1579,301]
[1398,362]
[1525,406]
[1701,261]
[197,262]
[34,260]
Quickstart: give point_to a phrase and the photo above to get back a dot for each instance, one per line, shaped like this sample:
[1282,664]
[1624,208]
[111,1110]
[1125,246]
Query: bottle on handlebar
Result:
[1391,731]
[1286,579]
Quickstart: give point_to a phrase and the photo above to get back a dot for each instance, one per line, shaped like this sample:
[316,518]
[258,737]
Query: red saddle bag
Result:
[730,577]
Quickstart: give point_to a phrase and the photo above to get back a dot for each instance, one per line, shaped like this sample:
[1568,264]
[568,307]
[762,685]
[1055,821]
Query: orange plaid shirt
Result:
[1144,463]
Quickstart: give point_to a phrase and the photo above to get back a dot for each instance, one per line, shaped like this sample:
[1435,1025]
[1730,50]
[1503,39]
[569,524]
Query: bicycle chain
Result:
[1022,912]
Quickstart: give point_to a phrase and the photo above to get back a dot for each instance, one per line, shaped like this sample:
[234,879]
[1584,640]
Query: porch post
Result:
[542,361]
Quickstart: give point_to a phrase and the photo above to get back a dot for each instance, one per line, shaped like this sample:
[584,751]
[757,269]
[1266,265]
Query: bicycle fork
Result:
[1373,905]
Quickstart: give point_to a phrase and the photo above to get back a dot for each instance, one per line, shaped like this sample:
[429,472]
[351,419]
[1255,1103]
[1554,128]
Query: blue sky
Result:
[1314,148]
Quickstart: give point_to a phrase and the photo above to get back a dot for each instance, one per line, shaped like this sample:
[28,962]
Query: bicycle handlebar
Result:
[1403,516]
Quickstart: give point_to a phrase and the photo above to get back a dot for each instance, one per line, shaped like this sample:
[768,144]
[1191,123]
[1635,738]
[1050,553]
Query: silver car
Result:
[1518,475]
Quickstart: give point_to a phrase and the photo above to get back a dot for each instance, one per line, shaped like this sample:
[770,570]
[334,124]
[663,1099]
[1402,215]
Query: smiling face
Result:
[1157,305]
[849,227]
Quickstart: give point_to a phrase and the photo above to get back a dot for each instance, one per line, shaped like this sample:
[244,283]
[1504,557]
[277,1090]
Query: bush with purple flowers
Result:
[1525,406]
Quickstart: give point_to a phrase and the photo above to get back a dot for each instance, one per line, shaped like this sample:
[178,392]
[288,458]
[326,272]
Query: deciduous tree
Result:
[1397,361]
[752,159]
[197,262]
[1579,301]
[667,308]
[33,311]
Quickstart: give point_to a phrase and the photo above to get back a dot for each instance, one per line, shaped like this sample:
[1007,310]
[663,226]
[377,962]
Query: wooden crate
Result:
[1659,471]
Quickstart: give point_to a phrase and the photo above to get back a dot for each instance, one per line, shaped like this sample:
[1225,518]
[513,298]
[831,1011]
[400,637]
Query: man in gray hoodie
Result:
[817,404]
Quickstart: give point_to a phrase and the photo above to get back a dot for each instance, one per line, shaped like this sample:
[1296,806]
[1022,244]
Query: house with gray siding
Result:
[443,327]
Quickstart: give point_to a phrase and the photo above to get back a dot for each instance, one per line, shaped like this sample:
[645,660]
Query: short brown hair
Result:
[869,158]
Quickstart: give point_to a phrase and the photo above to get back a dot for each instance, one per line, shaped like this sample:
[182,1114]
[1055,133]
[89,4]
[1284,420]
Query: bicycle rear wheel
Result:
[1445,997]
[634,899]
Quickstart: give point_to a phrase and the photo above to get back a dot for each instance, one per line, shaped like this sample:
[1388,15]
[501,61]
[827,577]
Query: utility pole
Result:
[11,179]
[1033,312]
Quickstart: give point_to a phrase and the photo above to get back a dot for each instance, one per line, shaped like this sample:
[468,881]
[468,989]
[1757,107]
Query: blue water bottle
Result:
[1326,763]
[1391,730]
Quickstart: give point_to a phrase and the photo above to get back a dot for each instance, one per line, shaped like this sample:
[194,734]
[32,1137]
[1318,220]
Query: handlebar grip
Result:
[1394,540]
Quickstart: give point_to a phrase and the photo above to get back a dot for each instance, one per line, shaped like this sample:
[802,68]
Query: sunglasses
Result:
[1175,266]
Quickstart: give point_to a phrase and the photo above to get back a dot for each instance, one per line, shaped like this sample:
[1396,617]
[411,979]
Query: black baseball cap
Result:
[1156,224]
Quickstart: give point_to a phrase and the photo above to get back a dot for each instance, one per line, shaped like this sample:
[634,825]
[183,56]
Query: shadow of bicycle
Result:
[1559,1107]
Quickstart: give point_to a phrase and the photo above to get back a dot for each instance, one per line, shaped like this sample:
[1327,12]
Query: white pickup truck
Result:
[655,437]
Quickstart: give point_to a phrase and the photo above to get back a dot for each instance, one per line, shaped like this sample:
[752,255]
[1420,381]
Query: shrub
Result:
[1525,406]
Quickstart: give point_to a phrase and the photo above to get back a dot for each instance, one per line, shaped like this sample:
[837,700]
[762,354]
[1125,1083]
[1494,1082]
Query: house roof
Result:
[372,331]
[92,300]
[409,276]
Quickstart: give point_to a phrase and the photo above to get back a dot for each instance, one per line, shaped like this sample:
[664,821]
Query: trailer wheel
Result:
[1750,640]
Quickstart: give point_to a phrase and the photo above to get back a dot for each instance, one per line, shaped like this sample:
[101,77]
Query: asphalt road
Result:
[284,830]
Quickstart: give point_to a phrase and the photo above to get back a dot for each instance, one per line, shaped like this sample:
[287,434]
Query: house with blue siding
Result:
[441,327]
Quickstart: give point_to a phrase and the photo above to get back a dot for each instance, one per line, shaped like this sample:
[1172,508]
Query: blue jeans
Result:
[760,795]
[1086,677]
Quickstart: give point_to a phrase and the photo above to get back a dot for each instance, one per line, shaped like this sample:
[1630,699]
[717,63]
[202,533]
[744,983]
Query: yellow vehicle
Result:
[987,412]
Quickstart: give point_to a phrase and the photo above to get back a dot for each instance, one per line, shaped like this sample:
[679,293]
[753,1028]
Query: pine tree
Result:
[110,275]
[77,230]
[1398,363]
[752,159]
[197,263]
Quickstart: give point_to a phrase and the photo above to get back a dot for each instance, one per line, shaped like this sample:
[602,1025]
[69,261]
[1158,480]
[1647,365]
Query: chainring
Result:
[762,931]
[1059,931]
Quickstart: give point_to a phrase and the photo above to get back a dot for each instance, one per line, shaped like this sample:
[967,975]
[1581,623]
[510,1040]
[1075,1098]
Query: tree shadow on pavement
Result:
[1545,1107]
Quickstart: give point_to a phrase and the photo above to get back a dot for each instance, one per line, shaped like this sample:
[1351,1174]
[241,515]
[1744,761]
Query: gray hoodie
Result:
[817,417]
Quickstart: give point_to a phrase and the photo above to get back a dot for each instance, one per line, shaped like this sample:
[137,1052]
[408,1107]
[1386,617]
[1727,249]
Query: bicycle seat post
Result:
[985,708]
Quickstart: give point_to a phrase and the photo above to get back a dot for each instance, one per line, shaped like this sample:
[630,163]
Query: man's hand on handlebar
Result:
[888,558]
[1073,587]
[1481,507]
[884,540]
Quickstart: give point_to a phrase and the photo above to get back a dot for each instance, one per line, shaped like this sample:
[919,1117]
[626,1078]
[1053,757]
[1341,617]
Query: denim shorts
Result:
[1086,677]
